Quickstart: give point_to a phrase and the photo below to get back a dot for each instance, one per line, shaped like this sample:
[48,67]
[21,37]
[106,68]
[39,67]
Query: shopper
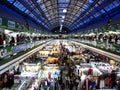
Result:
[52,85]
[67,80]
[86,84]
[102,83]
[110,39]
[1,41]
[90,71]
[17,39]
[80,84]
[59,81]
[116,39]
[12,42]
[71,85]
[63,86]
[56,84]
[92,85]
[106,86]
[114,85]
[107,81]
[118,84]
[76,82]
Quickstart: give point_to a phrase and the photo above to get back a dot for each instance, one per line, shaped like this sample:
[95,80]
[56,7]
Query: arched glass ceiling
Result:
[73,14]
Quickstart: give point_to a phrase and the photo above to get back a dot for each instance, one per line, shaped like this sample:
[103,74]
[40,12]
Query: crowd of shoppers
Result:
[74,82]
[110,38]
[18,39]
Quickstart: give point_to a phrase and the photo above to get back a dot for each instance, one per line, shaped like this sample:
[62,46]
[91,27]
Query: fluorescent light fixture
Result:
[62,20]
[63,17]
[64,10]
[60,28]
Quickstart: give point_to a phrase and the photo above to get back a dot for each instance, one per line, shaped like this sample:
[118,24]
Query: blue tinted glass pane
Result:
[102,11]
[64,1]
[39,21]
[111,6]
[19,6]
[42,6]
[97,14]
[34,18]
[27,11]
[16,4]
[36,10]
[63,5]
[87,20]
[116,3]
[11,1]
[60,11]
[31,15]
[91,1]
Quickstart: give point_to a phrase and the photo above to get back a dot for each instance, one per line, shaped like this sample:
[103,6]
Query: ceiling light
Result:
[60,28]
[63,17]
[64,10]
[62,20]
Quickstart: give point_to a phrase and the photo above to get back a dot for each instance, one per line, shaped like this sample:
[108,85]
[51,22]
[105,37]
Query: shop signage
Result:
[0,21]
[11,24]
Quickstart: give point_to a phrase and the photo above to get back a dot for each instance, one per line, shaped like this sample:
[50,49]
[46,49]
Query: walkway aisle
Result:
[63,65]
[64,72]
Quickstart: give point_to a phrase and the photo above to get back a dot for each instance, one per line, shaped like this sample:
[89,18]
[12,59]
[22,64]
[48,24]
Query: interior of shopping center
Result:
[59,44]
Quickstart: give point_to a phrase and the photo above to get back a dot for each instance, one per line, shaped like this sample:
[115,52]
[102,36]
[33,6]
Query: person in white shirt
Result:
[102,84]
[79,85]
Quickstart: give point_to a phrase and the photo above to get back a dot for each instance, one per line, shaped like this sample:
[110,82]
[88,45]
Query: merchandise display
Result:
[44,53]
[44,69]
[52,60]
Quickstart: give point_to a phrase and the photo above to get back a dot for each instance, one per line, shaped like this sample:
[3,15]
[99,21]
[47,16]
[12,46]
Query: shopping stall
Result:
[44,53]
[52,60]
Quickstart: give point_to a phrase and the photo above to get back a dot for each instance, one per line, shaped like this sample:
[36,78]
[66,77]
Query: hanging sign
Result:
[11,24]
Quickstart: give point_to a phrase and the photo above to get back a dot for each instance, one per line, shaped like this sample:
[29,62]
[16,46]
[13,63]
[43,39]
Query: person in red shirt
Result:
[1,40]
[49,75]
[86,84]
[107,81]
[90,71]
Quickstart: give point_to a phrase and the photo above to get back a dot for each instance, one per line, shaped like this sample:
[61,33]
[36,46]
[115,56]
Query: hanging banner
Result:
[0,21]
[11,24]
